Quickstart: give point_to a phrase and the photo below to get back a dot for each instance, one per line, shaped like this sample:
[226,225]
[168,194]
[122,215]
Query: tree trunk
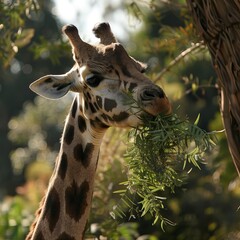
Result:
[218,22]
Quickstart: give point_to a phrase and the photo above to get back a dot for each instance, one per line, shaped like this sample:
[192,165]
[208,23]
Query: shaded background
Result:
[155,32]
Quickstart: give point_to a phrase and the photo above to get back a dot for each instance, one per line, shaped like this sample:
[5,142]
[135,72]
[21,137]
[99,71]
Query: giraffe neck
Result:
[66,206]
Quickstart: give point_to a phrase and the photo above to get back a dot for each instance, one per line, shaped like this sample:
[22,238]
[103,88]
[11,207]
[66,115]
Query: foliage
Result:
[13,33]
[36,51]
[44,48]
[104,199]
[15,219]
[43,117]
[157,157]
[17,213]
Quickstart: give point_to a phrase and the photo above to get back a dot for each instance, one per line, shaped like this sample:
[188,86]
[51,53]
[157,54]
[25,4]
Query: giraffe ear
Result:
[52,86]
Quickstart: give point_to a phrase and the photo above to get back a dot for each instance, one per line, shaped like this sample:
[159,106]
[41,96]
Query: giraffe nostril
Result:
[150,94]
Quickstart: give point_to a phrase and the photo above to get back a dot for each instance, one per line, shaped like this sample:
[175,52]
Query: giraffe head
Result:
[112,87]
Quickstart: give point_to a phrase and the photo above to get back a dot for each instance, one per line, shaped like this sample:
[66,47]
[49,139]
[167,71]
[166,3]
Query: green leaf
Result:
[157,156]
[197,119]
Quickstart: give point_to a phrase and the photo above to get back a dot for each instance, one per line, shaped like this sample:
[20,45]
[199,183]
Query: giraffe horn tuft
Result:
[103,31]
[72,33]
[68,29]
[82,50]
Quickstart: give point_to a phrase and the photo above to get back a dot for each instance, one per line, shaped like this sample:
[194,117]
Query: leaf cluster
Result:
[54,51]
[37,142]
[13,33]
[15,219]
[158,155]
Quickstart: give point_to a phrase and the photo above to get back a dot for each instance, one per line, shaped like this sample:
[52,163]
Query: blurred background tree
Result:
[206,206]
[23,21]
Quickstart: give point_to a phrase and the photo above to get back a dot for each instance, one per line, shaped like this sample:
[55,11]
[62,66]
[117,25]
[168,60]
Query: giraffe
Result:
[103,77]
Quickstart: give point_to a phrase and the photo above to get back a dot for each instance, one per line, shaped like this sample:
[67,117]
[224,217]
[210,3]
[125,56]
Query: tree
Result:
[30,40]
[218,24]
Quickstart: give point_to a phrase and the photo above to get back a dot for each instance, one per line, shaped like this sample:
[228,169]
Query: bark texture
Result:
[218,22]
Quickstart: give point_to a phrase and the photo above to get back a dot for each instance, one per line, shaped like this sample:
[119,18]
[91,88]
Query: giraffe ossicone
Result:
[103,77]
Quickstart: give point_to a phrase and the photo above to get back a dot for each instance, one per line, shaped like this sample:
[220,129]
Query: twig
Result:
[182,55]
[171,3]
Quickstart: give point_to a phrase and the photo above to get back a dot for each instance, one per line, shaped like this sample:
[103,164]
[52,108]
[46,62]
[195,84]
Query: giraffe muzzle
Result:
[154,101]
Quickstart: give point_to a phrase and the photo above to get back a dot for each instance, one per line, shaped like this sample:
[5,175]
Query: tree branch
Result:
[195,48]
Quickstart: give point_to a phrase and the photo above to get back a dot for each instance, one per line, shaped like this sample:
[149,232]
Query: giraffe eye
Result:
[93,80]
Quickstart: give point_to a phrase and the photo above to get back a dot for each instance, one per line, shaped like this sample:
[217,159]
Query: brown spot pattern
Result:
[63,165]
[76,199]
[83,156]
[69,134]
[52,209]
[105,117]
[89,96]
[116,118]
[86,105]
[82,124]
[120,117]
[96,123]
[93,109]
[96,106]
[74,108]
[109,104]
